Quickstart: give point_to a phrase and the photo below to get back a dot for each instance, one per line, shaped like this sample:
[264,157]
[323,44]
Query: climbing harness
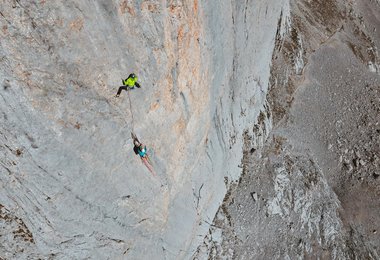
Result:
[145,159]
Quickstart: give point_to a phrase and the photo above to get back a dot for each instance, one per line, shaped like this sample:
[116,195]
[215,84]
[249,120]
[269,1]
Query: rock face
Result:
[312,190]
[221,81]
[72,187]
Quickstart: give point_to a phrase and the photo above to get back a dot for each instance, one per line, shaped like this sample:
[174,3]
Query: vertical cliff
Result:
[235,110]
[71,184]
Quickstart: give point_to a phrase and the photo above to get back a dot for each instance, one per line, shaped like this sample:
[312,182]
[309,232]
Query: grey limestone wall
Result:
[71,186]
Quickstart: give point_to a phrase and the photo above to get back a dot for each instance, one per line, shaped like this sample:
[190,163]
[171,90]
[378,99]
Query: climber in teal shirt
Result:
[139,149]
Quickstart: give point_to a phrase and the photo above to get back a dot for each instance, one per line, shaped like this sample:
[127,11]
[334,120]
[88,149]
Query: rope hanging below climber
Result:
[139,149]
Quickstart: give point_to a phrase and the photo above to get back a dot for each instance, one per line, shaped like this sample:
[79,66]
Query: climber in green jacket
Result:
[128,84]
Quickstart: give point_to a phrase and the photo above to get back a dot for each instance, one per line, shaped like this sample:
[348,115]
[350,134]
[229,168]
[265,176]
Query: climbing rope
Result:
[146,161]
[130,108]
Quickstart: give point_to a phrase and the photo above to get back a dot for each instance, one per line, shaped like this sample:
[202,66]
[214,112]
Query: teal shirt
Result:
[142,152]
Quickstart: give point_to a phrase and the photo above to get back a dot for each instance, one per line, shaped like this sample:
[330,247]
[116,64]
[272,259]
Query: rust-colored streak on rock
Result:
[77,25]
[125,7]
[154,106]
[180,126]
[4,29]
[150,6]
[180,34]
[195,8]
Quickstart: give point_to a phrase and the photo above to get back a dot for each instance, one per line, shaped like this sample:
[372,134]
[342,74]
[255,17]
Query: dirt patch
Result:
[15,225]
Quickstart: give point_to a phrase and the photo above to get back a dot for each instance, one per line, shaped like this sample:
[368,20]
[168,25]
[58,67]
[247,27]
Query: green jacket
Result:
[130,81]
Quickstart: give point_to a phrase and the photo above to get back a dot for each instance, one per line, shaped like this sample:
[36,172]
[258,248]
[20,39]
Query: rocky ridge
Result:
[311,191]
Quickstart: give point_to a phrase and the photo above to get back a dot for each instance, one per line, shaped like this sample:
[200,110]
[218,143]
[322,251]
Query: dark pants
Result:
[126,88]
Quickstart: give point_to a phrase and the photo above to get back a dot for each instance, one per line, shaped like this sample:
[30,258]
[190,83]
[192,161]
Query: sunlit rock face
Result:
[236,98]
[72,187]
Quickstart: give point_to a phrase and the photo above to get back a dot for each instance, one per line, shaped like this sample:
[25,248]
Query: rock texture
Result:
[71,187]
[312,191]
[292,87]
